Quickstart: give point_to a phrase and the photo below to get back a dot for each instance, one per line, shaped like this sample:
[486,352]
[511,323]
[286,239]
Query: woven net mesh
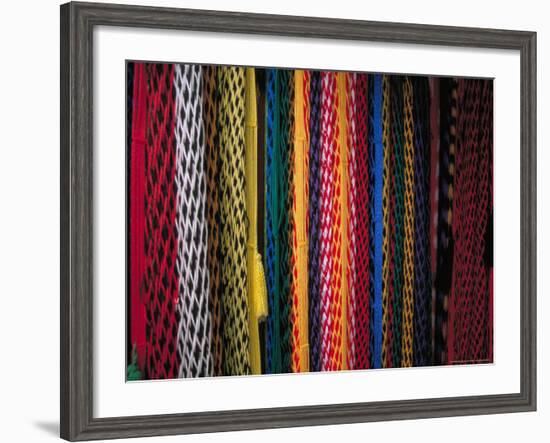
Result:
[212,152]
[469,303]
[191,226]
[234,303]
[160,282]
[408,260]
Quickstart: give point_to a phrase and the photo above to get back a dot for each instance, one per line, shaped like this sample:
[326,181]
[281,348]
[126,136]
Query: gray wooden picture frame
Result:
[77,23]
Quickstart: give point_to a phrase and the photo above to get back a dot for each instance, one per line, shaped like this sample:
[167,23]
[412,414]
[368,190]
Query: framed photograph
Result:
[273,221]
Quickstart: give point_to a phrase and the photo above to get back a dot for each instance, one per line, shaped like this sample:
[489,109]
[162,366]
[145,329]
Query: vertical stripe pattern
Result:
[292,220]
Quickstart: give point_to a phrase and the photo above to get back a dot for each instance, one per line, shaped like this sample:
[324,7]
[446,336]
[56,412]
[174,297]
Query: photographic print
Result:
[288,220]
[301,203]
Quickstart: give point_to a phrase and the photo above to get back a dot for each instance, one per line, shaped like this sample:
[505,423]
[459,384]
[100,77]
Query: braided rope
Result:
[328,153]
[210,110]
[408,265]
[192,232]
[314,185]
[340,239]
[359,297]
[160,282]
[422,266]
[234,304]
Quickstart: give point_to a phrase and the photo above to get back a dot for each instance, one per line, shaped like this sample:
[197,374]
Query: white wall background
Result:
[29,218]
